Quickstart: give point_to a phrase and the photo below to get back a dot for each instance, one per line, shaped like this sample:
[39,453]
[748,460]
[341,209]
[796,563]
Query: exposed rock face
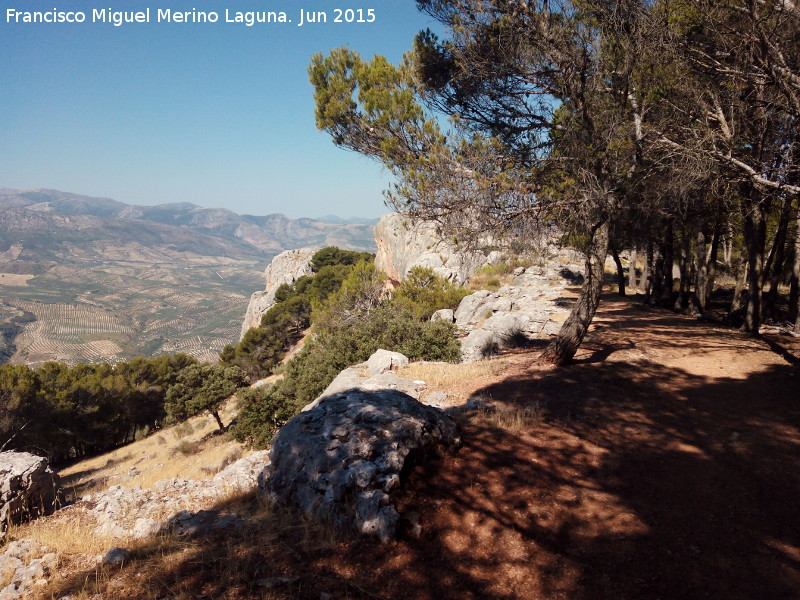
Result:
[534,306]
[340,459]
[28,487]
[385,360]
[25,564]
[287,267]
[403,244]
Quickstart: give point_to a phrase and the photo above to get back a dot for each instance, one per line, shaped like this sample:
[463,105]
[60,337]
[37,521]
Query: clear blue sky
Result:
[220,115]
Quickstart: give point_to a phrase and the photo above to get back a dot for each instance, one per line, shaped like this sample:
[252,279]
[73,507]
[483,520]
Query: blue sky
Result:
[220,115]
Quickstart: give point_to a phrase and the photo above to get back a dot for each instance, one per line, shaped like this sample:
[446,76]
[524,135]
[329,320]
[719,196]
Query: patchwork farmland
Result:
[89,312]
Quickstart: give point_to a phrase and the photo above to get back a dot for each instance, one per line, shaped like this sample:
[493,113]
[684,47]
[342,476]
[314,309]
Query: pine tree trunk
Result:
[754,233]
[701,271]
[561,350]
[711,268]
[219,421]
[620,271]
[776,264]
[647,274]
[665,295]
[794,300]
[683,284]
[632,282]
[738,292]
[727,248]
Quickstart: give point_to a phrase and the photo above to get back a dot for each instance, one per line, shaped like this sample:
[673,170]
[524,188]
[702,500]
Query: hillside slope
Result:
[664,463]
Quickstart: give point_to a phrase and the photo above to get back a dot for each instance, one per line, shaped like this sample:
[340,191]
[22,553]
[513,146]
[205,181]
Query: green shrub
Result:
[336,256]
[261,414]
[423,292]
[188,448]
[202,388]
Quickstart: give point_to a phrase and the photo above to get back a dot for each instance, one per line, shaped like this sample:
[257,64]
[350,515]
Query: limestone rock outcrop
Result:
[287,267]
[385,360]
[28,488]
[24,564]
[403,244]
[123,512]
[533,307]
[340,460]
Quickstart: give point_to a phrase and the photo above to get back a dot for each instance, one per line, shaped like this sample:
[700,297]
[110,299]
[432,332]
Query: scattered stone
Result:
[444,314]
[144,528]
[272,582]
[340,460]
[385,360]
[478,345]
[410,524]
[480,403]
[25,564]
[439,399]
[28,488]
[532,308]
[190,524]
[138,513]
[116,556]
[357,378]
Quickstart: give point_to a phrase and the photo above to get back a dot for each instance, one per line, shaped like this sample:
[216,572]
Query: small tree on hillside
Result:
[203,388]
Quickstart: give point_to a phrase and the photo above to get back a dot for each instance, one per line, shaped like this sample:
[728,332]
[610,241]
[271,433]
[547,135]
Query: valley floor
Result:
[664,463]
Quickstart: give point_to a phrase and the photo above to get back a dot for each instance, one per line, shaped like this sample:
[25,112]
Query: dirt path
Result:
[667,465]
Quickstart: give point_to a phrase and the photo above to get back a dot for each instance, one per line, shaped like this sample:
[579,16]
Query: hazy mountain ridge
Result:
[270,233]
[107,280]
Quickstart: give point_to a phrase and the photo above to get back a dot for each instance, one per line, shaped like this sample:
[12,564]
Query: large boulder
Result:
[28,488]
[340,460]
[287,267]
[404,244]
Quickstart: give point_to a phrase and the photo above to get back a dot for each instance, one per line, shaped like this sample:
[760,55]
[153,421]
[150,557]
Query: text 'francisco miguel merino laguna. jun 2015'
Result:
[118,18]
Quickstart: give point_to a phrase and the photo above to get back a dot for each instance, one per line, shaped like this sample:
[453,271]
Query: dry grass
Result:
[513,418]
[488,281]
[162,455]
[6,575]
[226,565]
[72,535]
[449,376]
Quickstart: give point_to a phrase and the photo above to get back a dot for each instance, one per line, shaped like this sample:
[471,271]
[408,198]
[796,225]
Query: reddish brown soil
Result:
[666,465]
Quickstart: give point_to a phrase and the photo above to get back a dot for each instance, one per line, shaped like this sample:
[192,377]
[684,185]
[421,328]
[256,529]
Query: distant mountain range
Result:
[85,278]
[269,234]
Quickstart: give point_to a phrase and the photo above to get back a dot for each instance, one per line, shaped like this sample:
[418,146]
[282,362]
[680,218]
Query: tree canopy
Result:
[625,123]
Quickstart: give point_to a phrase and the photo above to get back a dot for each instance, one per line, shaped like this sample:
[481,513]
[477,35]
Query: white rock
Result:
[385,360]
[444,314]
[116,556]
[28,487]
[287,267]
[404,244]
[144,528]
